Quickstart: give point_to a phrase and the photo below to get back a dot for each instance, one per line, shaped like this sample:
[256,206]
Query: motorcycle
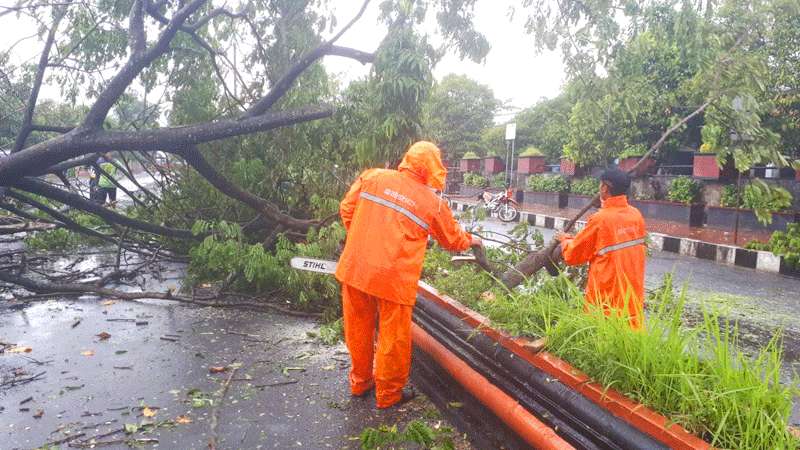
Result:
[502,204]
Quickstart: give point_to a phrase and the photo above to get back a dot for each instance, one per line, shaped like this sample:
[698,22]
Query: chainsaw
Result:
[329,267]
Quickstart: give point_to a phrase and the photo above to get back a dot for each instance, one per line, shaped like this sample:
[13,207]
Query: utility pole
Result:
[511,134]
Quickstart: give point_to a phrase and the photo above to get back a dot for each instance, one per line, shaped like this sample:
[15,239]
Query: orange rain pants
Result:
[389,215]
[613,243]
[392,354]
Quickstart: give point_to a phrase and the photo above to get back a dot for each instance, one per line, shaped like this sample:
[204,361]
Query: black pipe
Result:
[528,399]
[568,411]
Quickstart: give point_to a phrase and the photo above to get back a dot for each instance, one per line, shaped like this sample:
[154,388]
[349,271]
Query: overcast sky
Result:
[513,70]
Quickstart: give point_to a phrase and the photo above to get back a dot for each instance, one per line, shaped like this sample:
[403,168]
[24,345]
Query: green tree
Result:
[456,113]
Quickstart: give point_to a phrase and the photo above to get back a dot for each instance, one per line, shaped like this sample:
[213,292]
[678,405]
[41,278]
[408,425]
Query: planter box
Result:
[647,166]
[704,167]
[569,169]
[725,219]
[492,165]
[469,165]
[527,165]
[691,215]
[577,201]
[551,199]
[546,375]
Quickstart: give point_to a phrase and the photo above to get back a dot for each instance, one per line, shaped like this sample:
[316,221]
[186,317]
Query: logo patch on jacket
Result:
[399,197]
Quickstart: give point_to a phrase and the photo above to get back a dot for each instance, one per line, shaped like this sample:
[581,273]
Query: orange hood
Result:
[424,160]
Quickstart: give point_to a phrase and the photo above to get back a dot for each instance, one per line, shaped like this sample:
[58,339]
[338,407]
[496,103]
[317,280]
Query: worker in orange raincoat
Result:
[389,215]
[613,243]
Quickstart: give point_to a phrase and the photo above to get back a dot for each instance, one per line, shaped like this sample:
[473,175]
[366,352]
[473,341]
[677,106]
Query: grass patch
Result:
[696,376]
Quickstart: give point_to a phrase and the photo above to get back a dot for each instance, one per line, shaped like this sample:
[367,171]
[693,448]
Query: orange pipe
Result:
[532,431]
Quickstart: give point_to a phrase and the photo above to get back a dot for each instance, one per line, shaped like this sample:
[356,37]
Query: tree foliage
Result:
[458,110]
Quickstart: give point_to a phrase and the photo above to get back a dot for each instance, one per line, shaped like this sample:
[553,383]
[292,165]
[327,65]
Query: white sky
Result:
[513,70]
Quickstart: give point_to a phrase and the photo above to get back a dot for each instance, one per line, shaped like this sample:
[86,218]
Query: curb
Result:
[720,253]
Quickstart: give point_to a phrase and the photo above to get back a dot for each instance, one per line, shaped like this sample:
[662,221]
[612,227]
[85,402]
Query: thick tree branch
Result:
[35,186]
[30,107]
[264,207]
[283,85]
[136,28]
[41,157]
[135,64]
[63,219]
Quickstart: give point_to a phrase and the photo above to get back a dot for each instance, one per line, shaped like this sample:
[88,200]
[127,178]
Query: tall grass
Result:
[695,376]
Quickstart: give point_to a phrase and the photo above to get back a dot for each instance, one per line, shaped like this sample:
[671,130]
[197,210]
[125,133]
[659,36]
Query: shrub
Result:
[474,179]
[765,200]
[224,254]
[531,151]
[683,190]
[783,243]
[634,151]
[547,183]
[730,197]
[470,155]
[585,186]
[498,180]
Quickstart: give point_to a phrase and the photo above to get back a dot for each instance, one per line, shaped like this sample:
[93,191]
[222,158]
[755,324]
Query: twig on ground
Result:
[212,440]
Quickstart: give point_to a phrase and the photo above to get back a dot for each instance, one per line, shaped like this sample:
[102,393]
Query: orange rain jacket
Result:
[613,243]
[389,215]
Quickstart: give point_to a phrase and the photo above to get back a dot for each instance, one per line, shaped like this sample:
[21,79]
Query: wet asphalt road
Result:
[290,391]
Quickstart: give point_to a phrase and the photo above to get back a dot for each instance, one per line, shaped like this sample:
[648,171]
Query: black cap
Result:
[619,182]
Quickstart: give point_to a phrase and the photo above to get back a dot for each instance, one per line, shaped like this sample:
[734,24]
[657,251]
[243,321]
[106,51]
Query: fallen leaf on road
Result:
[455,404]
[19,350]
[183,420]
[147,412]
[108,302]
[131,428]
[39,413]
[103,336]
[217,369]
[120,352]
[87,353]
[286,370]
[331,367]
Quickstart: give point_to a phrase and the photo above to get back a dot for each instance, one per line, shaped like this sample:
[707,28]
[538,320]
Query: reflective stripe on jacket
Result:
[389,215]
[613,243]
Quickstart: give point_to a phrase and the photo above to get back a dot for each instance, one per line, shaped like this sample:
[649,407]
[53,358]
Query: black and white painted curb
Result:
[720,253]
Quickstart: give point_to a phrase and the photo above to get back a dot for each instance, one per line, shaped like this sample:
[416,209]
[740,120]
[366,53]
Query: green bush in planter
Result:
[683,190]
[634,151]
[498,180]
[585,186]
[730,197]
[548,183]
[474,179]
[470,155]
[531,151]
[764,200]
